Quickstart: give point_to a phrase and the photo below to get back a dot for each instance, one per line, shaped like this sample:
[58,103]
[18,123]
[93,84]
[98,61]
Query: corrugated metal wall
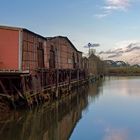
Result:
[33,51]
[66,57]
[37,52]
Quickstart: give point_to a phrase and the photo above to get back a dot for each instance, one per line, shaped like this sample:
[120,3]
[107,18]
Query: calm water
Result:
[105,110]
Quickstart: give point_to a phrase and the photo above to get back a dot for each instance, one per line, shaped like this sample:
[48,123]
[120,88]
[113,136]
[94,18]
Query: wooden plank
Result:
[4,95]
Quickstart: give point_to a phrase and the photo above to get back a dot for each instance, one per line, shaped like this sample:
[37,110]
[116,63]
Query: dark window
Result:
[52,58]
[40,55]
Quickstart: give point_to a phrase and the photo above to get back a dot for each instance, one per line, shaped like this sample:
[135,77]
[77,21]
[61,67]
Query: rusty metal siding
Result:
[9,49]
[52,59]
[40,55]
[79,55]
[33,51]
[66,56]
[46,55]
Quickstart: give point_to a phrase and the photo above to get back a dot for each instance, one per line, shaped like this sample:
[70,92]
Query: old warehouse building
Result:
[30,62]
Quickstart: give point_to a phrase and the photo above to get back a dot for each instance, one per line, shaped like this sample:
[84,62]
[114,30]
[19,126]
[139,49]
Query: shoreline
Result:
[122,74]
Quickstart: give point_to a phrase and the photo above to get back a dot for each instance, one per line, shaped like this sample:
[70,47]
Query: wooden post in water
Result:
[78,76]
[70,79]
[23,84]
[3,88]
[57,82]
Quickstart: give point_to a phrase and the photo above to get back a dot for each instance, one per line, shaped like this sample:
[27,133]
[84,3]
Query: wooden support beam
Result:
[3,95]
[3,87]
[19,93]
[23,84]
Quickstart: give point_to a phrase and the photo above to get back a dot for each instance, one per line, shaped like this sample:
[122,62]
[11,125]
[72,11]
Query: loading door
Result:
[40,54]
[52,58]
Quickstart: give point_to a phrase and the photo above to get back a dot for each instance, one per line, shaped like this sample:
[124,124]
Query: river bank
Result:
[123,71]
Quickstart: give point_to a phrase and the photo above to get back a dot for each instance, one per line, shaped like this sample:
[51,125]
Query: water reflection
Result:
[49,122]
[115,114]
[127,85]
[95,90]
[105,110]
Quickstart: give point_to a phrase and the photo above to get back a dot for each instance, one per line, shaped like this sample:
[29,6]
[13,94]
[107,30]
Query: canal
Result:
[105,110]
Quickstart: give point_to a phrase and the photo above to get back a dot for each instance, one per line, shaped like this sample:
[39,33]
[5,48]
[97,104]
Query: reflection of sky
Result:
[115,115]
[126,87]
[116,134]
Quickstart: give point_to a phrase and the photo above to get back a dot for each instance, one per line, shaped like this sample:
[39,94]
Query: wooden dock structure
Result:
[23,89]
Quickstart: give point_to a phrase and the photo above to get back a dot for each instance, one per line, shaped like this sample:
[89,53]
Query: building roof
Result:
[64,37]
[20,29]
[46,38]
[10,27]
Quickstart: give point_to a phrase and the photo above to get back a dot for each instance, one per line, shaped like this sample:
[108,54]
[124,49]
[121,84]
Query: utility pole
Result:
[89,45]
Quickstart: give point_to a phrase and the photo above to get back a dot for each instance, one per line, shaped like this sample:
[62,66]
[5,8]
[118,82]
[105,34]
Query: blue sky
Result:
[108,22]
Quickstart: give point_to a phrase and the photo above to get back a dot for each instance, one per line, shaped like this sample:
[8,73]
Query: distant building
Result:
[85,65]
[96,66]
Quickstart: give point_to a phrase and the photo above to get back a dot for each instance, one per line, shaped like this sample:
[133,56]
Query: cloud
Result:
[113,5]
[101,15]
[117,4]
[127,51]
[105,13]
[125,43]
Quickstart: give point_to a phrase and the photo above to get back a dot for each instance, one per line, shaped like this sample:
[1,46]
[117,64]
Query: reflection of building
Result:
[47,123]
[95,89]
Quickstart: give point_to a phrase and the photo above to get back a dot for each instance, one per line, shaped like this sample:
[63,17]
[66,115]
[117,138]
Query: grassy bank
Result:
[124,71]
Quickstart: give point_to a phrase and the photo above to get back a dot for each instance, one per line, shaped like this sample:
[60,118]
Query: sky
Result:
[111,23]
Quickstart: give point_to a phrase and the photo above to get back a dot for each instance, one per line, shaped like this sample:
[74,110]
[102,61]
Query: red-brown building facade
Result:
[62,54]
[23,50]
